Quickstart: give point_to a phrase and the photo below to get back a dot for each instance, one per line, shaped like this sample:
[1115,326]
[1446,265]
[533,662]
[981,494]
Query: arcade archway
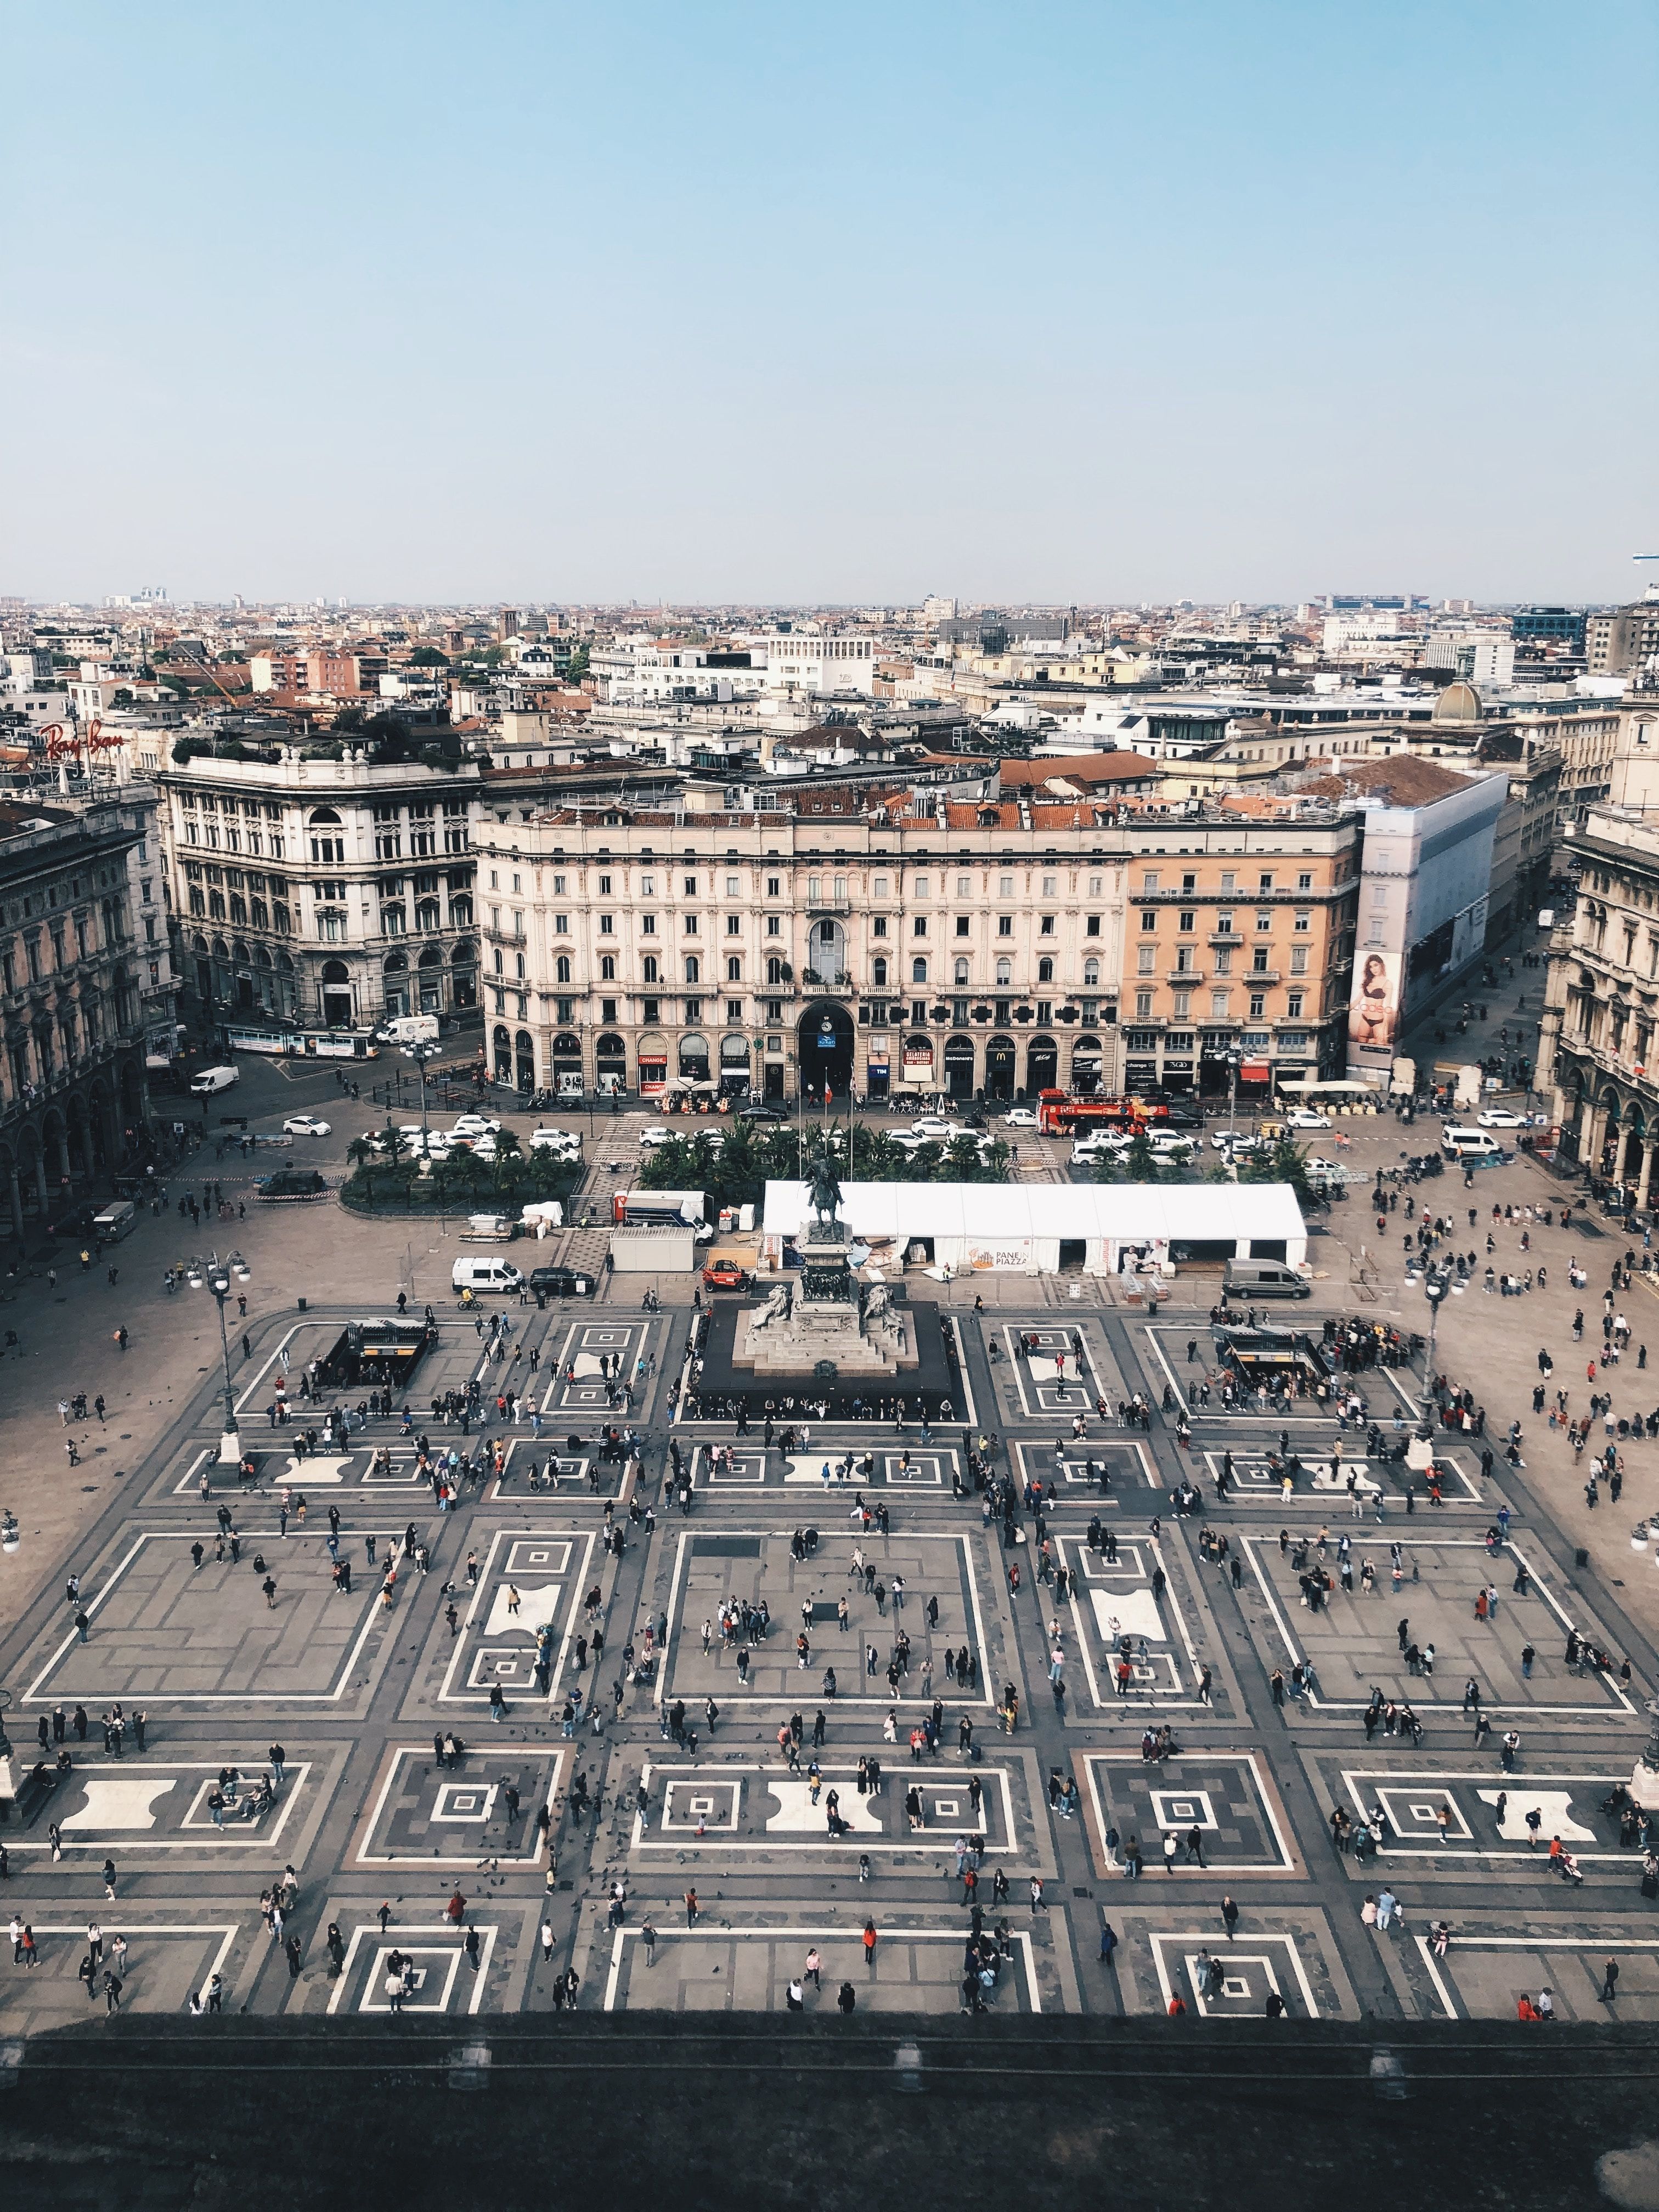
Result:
[824,1040]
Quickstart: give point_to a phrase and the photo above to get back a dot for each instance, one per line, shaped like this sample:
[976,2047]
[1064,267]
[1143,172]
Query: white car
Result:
[304,1125]
[474,1125]
[1239,1140]
[1305,1118]
[933,1128]
[1019,1117]
[557,1140]
[1493,1117]
[483,1148]
[652,1134]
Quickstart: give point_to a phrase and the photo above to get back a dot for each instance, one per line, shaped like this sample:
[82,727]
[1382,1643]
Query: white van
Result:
[485,1272]
[212,1079]
[119,1219]
[1474,1147]
[409,1029]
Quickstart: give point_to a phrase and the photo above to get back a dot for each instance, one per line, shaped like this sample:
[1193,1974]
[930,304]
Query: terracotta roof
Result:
[1082,769]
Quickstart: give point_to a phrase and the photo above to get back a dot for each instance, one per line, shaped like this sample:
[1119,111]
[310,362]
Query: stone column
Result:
[1589,1149]
[41,1190]
[17,1204]
[1646,1177]
[63,1152]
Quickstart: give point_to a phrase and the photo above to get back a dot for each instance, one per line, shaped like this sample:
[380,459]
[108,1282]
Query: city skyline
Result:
[1111,308]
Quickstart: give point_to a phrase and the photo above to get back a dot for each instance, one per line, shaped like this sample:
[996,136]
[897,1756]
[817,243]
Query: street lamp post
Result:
[1435,1288]
[219,1276]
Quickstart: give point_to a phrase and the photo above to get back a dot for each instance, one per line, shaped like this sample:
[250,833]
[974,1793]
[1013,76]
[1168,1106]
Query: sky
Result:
[705,303]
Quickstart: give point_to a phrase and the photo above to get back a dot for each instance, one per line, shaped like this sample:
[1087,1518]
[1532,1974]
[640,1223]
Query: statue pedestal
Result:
[825,1320]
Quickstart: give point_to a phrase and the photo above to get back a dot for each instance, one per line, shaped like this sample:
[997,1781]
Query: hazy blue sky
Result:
[849,303]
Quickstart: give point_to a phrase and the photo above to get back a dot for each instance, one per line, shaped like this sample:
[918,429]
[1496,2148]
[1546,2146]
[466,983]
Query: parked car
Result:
[652,1134]
[474,1125]
[305,1125]
[933,1128]
[1499,1117]
[557,1140]
[758,1109]
[1019,1117]
[725,1275]
[1305,1118]
[561,1283]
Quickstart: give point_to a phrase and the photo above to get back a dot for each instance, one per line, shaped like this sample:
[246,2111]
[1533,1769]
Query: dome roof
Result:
[1458,702]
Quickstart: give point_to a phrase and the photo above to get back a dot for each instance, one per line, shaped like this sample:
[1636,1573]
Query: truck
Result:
[409,1029]
[209,1080]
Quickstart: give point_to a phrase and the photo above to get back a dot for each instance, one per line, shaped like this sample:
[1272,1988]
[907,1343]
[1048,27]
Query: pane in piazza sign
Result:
[1006,1258]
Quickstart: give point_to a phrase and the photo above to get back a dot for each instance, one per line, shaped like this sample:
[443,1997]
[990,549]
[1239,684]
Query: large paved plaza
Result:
[666,1740]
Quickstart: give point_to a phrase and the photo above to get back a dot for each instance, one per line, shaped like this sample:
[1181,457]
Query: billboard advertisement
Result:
[1374,1008]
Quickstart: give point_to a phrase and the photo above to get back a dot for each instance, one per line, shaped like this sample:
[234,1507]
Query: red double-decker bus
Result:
[1060,1114]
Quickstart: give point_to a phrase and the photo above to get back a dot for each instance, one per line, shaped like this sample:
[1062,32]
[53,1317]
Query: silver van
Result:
[485,1272]
[119,1219]
[1264,1279]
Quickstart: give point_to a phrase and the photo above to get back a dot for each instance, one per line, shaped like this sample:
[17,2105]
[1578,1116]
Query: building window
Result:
[1298,960]
[1144,1005]
[1091,926]
[734,924]
[651,1011]
[607,925]
[1258,1005]
[1046,927]
[1149,918]
[1045,971]
[607,967]
[879,973]
[1005,974]
[964,925]
[1091,974]
[560,968]
[734,970]
[648,970]
[918,971]
[1303,920]
[690,924]
[648,924]
[961,974]
[1293,1006]
[1305,882]
[734,1010]
[1219,1001]
[1146,959]
[693,968]
[918,926]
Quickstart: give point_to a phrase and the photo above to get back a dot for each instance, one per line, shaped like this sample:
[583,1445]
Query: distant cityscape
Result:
[978,851]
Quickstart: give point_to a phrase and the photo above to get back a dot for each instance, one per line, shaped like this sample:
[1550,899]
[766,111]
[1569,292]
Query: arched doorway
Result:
[824,1040]
[567,1069]
[1041,1066]
[920,1075]
[1085,1067]
[999,1067]
[734,1067]
[501,1044]
[524,1053]
[611,1063]
[693,1059]
[826,961]
[959,1066]
[653,1053]
[396,973]
[198,946]
[430,980]
[247,998]
[464,965]
[336,995]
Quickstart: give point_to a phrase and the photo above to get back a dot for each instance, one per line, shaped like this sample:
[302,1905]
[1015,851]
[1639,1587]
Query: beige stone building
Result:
[904,943]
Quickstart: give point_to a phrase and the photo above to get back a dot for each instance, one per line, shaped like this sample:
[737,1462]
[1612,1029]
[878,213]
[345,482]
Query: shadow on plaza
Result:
[1048,2111]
